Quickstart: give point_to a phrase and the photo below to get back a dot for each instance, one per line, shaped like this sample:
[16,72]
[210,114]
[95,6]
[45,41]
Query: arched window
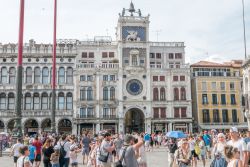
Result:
[28,75]
[45,75]
[12,78]
[36,101]
[155,94]
[61,75]
[60,101]
[105,93]
[183,93]
[162,94]
[134,60]
[37,72]
[2,101]
[4,75]
[89,93]
[45,101]
[11,101]
[69,75]
[176,94]
[112,93]
[69,101]
[28,103]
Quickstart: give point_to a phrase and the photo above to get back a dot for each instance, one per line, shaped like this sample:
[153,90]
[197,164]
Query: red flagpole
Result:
[53,124]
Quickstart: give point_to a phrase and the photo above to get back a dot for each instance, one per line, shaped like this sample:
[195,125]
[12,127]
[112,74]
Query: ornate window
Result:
[183,93]
[60,101]
[28,100]
[155,94]
[45,75]
[105,93]
[162,94]
[69,75]
[36,101]
[37,75]
[69,101]
[28,75]
[2,101]
[12,78]
[134,60]
[112,93]
[61,75]
[4,75]
[89,94]
[45,101]
[11,101]
[176,94]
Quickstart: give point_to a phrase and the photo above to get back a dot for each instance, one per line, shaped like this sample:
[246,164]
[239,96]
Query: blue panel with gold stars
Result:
[133,33]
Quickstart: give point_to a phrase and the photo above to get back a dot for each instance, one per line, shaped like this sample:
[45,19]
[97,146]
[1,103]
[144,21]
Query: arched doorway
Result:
[46,125]
[134,121]
[65,126]
[31,127]
[1,126]
[10,126]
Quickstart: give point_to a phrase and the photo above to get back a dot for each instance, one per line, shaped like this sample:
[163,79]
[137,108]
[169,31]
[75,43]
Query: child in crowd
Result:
[55,157]
[73,155]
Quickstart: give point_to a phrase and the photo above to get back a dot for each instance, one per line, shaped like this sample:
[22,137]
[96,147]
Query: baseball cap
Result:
[233,129]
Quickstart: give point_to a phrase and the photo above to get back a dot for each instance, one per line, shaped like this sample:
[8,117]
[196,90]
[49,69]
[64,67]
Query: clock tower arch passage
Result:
[134,121]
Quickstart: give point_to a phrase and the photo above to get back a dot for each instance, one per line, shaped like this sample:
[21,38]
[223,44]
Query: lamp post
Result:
[53,112]
[18,121]
[244,28]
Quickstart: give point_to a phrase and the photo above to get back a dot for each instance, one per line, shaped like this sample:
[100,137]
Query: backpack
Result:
[197,149]
[62,151]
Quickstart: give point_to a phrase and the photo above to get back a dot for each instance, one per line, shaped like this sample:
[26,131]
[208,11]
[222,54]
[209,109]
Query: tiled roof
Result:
[233,63]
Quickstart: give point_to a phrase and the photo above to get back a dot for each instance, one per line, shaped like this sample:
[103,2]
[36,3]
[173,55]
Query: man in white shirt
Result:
[15,150]
[64,162]
[239,143]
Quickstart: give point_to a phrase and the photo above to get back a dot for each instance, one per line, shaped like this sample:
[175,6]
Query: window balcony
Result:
[35,113]
[89,116]
[109,116]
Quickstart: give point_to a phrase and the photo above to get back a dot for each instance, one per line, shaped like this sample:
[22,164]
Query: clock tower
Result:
[132,35]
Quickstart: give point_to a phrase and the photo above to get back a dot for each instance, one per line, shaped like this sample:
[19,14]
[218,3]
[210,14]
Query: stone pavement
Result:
[157,158]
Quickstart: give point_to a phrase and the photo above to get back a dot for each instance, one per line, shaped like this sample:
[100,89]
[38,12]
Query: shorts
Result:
[203,156]
[38,157]
[15,159]
[85,151]
[74,164]
[208,148]
[193,153]
[32,161]
[147,143]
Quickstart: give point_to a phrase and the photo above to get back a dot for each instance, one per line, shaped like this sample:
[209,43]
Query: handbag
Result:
[103,158]
[119,162]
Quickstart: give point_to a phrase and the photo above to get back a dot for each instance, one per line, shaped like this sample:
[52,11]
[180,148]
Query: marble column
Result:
[97,127]
[121,126]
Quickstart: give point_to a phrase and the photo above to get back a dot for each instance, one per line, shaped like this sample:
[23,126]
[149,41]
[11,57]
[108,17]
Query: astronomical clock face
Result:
[134,87]
[133,33]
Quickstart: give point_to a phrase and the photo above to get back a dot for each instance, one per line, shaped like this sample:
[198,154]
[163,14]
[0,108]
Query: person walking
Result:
[183,155]
[32,150]
[23,160]
[106,149]
[15,150]
[85,147]
[47,150]
[237,142]
[172,146]
[54,158]
[38,144]
[64,146]
[233,154]
[127,153]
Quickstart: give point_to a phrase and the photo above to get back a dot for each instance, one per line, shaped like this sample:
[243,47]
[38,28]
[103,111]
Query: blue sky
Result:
[211,29]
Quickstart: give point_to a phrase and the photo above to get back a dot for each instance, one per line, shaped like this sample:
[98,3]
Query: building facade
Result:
[246,89]
[130,84]
[218,102]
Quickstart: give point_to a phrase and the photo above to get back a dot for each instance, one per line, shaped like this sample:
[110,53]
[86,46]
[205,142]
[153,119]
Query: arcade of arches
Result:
[31,126]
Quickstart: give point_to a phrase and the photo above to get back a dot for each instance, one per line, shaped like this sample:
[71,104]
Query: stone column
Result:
[97,127]
[121,126]
[148,126]
[170,126]
[190,127]
[74,128]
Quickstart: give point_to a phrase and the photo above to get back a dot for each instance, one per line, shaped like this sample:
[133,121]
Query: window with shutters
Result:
[175,78]
[162,78]
[104,54]
[155,78]
[91,55]
[84,54]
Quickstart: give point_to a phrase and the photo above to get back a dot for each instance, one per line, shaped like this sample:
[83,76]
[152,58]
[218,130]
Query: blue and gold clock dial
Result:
[134,87]
[133,33]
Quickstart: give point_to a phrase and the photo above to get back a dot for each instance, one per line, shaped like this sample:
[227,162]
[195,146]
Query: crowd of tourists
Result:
[211,148]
